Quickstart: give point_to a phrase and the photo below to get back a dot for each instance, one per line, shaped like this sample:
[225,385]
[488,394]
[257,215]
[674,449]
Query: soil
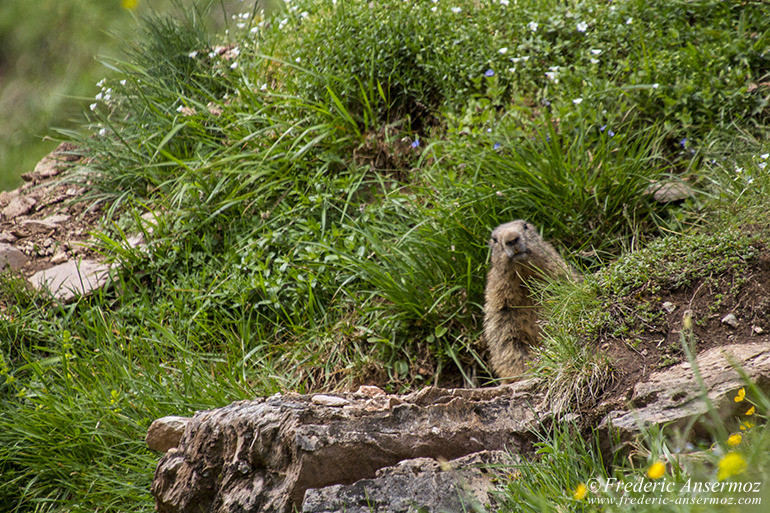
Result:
[745,294]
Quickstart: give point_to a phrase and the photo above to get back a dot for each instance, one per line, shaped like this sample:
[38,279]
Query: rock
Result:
[165,433]
[668,306]
[7,196]
[370,391]
[73,278]
[421,484]
[263,455]
[59,257]
[53,163]
[731,320]
[670,191]
[329,400]
[19,205]
[674,397]
[11,258]
[49,223]
[7,237]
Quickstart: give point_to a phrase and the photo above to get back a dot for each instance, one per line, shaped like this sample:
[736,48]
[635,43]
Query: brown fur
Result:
[519,255]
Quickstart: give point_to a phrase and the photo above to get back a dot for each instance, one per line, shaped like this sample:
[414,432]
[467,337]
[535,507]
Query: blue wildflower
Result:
[497,146]
[489,73]
[683,143]
[415,143]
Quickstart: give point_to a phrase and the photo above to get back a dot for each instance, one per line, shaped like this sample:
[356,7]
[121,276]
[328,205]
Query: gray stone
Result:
[263,455]
[49,223]
[7,237]
[731,320]
[18,205]
[670,191]
[421,484]
[668,306]
[674,396]
[329,400]
[165,433]
[71,279]
[11,258]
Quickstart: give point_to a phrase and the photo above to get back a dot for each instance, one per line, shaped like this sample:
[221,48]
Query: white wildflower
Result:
[596,51]
[582,26]
[577,101]
[456,10]
[532,26]
[93,106]
[765,155]
[503,50]
[193,54]
[629,21]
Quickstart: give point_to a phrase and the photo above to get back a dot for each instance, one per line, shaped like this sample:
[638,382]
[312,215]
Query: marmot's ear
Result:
[526,226]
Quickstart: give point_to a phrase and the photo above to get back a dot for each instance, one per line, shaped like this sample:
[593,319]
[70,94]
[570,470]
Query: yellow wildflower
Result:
[741,395]
[129,4]
[750,411]
[746,425]
[730,465]
[734,439]
[656,470]
[580,492]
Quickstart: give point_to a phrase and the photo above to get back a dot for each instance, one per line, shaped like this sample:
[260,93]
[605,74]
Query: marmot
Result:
[519,255]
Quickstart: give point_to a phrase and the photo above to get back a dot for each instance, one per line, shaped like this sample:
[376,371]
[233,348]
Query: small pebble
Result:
[329,400]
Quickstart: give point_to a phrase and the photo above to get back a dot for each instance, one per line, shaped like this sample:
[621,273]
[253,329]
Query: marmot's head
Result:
[511,241]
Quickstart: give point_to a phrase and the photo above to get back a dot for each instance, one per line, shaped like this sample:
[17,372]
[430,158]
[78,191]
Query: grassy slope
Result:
[323,209]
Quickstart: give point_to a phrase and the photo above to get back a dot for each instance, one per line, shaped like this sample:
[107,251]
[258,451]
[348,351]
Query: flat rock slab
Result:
[18,205]
[674,395]
[263,455]
[421,484]
[73,278]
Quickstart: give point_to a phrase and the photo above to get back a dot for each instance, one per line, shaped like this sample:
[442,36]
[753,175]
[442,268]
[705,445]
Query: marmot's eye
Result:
[494,239]
[513,241]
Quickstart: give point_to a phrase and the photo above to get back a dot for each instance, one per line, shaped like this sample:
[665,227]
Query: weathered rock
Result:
[670,191]
[53,163]
[72,278]
[263,455]
[329,400]
[19,205]
[731,320]
[674,396]
[11,258]
[421,484]
[165,433]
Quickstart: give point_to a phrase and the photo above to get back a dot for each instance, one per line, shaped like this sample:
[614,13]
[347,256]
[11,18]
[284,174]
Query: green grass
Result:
[323,182]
